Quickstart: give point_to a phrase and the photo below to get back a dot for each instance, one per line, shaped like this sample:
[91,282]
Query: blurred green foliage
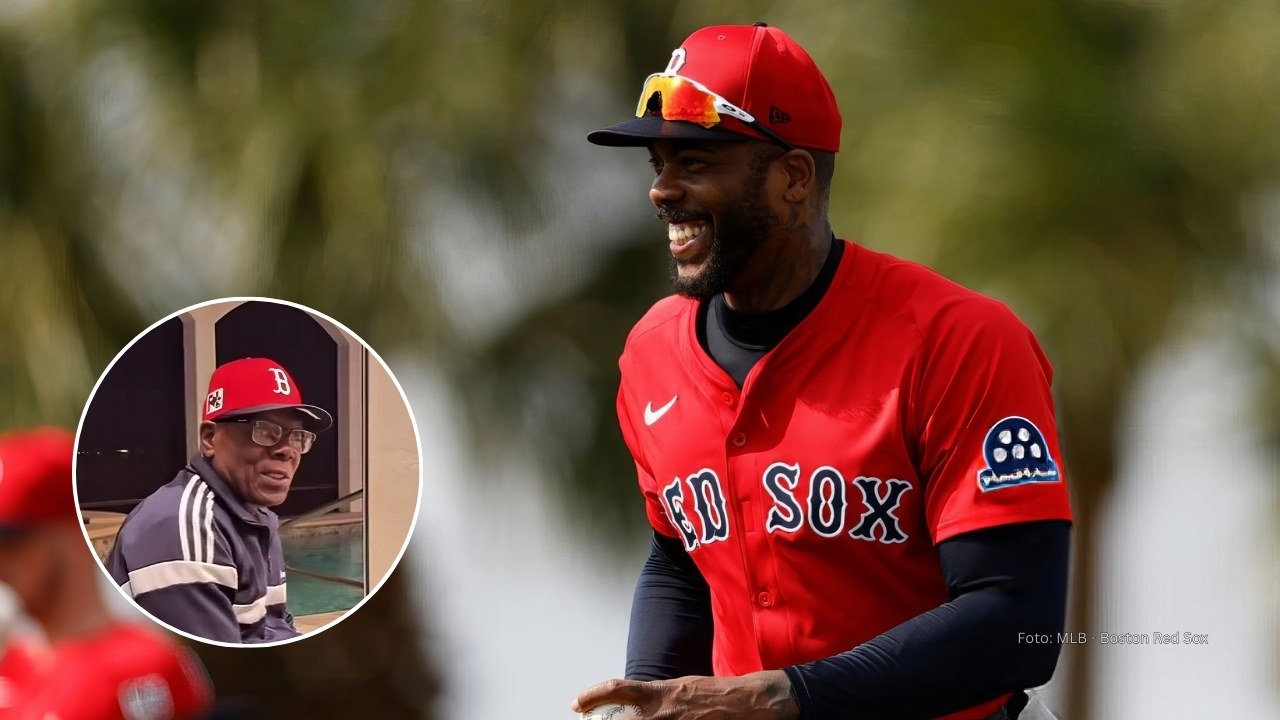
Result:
[418,171]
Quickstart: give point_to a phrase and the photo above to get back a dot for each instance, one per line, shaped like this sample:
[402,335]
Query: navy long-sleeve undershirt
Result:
[1007,584]
[671,625]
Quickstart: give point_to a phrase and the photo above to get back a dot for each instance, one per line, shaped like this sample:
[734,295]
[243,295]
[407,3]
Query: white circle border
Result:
[413,421]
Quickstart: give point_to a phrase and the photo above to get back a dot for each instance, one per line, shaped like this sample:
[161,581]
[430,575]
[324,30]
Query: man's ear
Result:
[207,430]
[802,175]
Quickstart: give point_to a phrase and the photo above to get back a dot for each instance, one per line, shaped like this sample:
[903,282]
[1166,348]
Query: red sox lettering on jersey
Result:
[905,410]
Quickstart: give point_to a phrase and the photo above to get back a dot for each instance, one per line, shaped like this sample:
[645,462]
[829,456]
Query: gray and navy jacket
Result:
[196,557]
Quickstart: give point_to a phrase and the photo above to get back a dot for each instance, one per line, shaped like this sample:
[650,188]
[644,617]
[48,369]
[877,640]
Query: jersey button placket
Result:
[739,439]
[764,600]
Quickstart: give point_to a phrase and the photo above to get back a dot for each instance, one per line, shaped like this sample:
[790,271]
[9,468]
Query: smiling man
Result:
[203,553]
[849,463]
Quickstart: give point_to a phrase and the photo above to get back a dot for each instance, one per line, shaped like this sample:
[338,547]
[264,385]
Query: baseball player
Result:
[203,553]
[93,667]
[19,648]
[850,464]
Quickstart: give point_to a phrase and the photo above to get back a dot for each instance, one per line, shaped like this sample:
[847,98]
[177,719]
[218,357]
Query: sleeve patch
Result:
[146,698]
[1016,454]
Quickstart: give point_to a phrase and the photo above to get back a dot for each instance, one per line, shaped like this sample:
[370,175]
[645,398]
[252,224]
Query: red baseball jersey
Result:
[17,667]
[904,410]
[124,673]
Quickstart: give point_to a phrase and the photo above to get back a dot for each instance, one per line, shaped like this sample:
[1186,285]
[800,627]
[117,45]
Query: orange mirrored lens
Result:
[680,101]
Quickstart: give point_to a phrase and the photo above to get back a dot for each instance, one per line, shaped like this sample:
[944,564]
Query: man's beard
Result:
[748,227]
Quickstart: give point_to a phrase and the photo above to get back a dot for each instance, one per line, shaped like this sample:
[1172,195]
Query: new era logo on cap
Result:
[254,385]
[213,402]
[778,116]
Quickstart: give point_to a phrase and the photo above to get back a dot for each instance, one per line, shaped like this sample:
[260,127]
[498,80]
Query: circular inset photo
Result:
[247,471]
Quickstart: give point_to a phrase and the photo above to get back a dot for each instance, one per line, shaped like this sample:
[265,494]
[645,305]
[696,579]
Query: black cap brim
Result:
[643,130]
[314,418]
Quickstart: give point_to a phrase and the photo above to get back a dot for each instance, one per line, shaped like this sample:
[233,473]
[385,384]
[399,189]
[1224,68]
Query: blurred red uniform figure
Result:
[93,667]
[16,668]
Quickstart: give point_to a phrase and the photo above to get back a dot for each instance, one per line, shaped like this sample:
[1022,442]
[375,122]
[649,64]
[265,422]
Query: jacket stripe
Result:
[256,610]
[196,511]
[208,525]
[179,572]
[197,523]
[276,594]
[183,506]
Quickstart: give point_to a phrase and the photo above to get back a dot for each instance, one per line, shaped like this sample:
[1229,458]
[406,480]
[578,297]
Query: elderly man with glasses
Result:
[202,554]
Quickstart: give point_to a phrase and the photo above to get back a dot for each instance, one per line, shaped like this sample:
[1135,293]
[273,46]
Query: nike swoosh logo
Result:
[652,416]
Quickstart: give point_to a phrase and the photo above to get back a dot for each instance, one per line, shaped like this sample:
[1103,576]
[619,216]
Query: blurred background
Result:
[418,171]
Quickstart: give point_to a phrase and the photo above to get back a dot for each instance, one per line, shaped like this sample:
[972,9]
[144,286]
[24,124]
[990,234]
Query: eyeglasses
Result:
[268,434]
[680,98]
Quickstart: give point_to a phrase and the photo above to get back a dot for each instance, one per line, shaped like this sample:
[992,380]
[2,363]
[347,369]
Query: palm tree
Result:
[153,155]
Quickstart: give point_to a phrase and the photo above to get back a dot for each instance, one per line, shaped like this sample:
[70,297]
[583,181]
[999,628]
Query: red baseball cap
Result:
[35,477]
[754,68]
[253,385]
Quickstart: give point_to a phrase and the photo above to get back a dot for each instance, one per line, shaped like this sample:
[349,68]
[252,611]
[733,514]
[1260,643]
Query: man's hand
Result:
[758,696]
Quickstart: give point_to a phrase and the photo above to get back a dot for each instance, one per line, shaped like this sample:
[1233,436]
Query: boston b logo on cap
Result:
[254,385]
[764,71]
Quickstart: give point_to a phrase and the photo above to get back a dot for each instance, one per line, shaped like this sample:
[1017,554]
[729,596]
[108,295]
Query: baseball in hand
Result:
[613,711]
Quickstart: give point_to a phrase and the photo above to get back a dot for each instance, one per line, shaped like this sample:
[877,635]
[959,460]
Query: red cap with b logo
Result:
[745,72]
[35,477]
[253,385]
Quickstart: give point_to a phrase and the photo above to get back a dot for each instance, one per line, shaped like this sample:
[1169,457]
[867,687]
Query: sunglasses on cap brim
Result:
[677,97]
